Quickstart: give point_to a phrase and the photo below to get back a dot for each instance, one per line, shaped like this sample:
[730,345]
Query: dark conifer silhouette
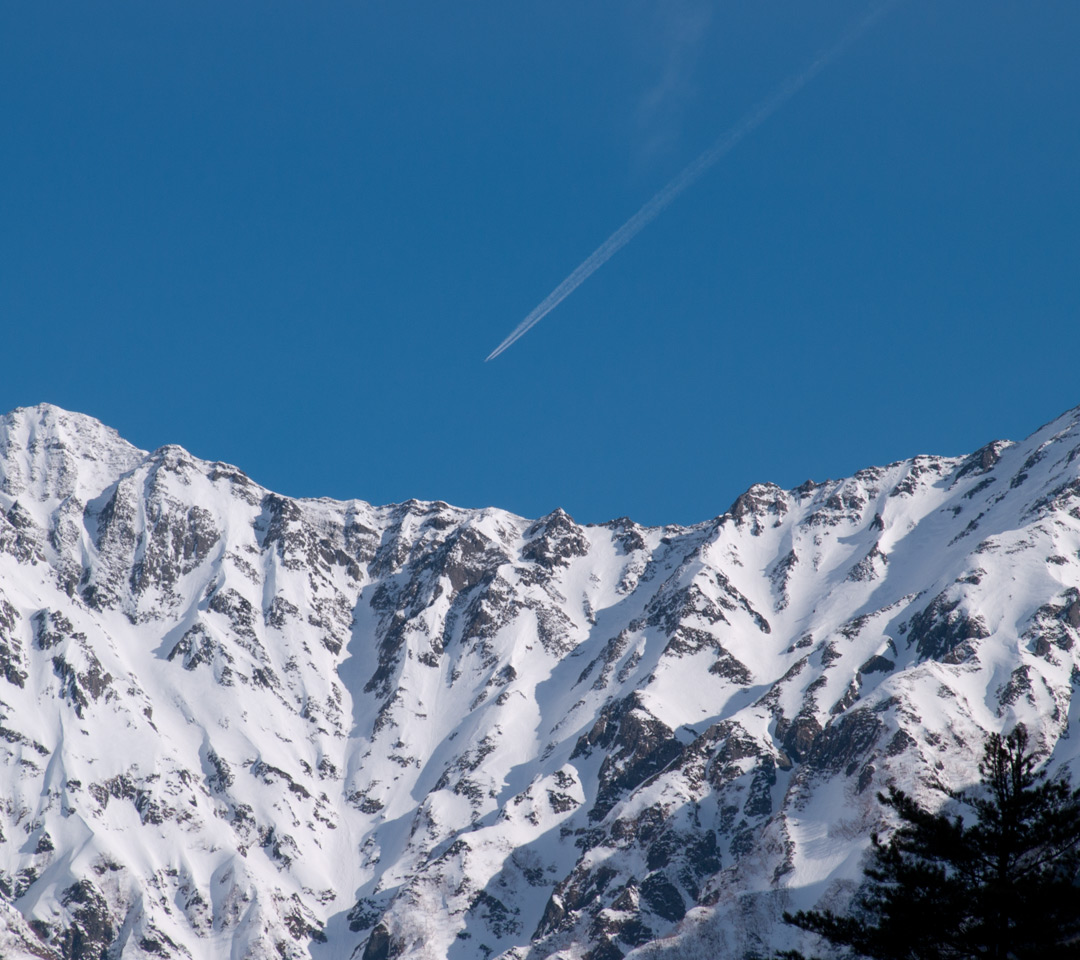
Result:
[1005,888]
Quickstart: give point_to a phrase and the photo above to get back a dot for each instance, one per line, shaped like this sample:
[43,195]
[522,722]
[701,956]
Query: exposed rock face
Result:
[236,724]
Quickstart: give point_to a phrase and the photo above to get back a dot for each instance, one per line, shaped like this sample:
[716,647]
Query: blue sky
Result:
[287,234]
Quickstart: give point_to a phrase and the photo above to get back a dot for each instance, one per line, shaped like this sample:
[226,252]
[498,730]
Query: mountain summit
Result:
[239,725]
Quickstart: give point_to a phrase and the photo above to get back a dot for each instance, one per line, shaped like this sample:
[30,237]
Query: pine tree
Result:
[1005,888]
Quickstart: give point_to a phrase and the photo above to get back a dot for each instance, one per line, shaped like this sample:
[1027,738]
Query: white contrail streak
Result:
[621,237]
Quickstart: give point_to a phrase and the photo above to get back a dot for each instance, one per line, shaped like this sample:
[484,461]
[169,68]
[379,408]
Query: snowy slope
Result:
[236,725]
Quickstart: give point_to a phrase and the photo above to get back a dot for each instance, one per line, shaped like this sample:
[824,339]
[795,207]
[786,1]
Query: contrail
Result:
[621,237]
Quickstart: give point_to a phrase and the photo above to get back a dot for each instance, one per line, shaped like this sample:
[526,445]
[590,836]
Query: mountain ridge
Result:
[414,730]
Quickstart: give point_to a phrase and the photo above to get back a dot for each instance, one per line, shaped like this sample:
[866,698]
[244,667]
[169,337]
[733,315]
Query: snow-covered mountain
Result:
[233,724]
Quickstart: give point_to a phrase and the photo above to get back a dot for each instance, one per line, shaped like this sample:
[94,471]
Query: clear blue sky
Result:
[286,235]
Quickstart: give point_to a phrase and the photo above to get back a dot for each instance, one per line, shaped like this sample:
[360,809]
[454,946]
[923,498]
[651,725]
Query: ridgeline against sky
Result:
[301,232]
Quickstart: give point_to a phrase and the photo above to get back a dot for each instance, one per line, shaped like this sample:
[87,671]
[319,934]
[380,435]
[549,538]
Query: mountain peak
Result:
[49,453]
[236,722]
